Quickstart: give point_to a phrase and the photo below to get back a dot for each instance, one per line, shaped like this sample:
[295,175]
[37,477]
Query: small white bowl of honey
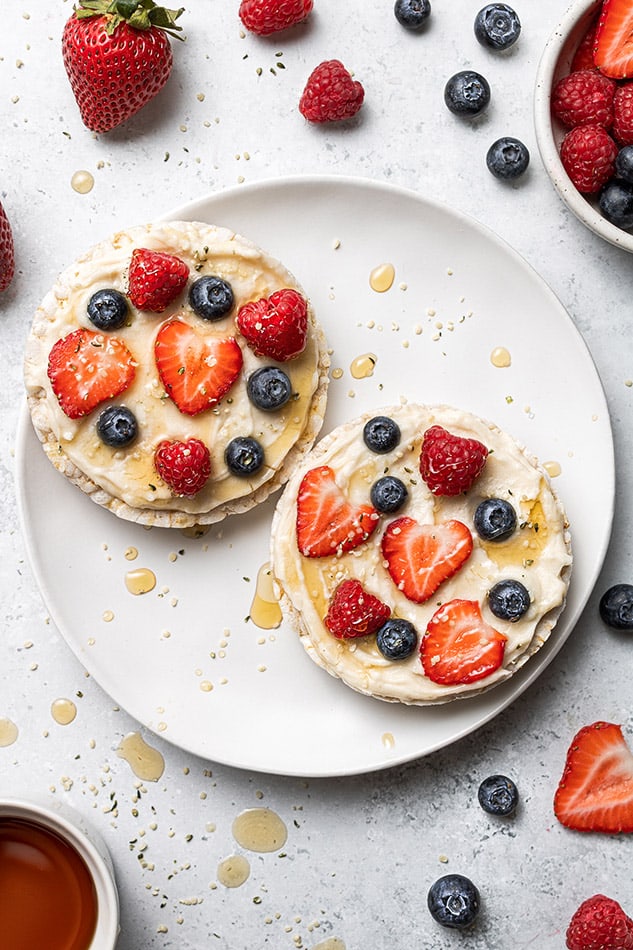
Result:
[57,887]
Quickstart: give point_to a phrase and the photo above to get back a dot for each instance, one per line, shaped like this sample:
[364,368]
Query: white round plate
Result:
[459,293]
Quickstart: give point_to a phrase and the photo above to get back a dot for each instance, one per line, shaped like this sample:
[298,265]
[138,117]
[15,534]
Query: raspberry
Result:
[598,923]
[584,98]
[331,94]
[449,464]
[623,115]
[588,155]
[184,466]
[155,279]
[353,612]
[269,16]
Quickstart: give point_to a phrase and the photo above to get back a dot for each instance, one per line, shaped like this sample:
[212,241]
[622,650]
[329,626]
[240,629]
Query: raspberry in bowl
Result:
[583,113]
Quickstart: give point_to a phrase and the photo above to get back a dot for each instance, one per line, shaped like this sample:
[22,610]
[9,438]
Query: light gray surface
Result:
[361,852]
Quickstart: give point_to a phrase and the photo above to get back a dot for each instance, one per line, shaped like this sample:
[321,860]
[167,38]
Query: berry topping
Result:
[454,901]
[7,251]
[270,16]
[275,326]
[624,163]
[450,464]
[184,466]
[507,158]
[244,456]
[497,26]
[412,14]
[495,519]
[86,368]
[623,115]
[613,51]
[269,388]
[107,309]
[584,98]
[583,57]
[509,600]
[327,522]
[117,426]
[155,279]
[381,434]
[420,557]
[353,612]
[397,639]
[196,371]
[210,297]
[459,646]
[388,494]
[331,94]
[588,155]
[616,203]
[595,792]
[600,924]
[616,607]
[498,795]
[467,93]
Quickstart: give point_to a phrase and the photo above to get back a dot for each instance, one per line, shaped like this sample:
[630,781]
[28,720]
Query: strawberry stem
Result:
[138,14]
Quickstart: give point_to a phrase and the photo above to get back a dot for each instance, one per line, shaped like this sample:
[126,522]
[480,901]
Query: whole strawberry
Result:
[583,98]
[600,924]
[449,464]
[117,56]
[275,326]
[588,155]
[184,466]
[270,16]
[331,94]
[7,251]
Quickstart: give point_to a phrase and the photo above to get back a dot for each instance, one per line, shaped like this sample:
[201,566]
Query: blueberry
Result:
[624,163]
[412,14]
[388,494]
[498,795]
[453,901]
[507,158]
[117,426]
[210,297]
[497,26]
[397,639]
[107,309]
[381,434]
[616,607]
[244,456]
[495,519]
[467,93]
[508,600]
[616,203]
[269,388]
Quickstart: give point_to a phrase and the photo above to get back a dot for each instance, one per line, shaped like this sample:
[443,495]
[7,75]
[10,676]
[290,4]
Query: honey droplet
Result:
[388,740]
[233,871]
[63,711]
[337,373]
[107,616]
[382,277]
[363,366]
[500,357]
[8,732]
[131,554]
[265,610]
[260,829]
[140,581]
[553,469]
[82,182]
[146,762]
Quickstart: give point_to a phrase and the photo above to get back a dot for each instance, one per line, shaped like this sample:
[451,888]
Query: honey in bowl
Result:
[47,895]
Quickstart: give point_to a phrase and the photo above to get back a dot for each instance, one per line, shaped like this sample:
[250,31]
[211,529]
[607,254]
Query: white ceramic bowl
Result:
[555,62]
[71,828]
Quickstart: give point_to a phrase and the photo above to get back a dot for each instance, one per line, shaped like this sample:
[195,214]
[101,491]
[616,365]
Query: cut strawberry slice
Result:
[86,368]
[196,371]
[459,646]
[595,792]
[327,522]
[613,51]
[420,557]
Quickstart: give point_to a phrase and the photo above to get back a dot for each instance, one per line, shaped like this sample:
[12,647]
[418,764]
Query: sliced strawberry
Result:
[327,522]
[459,646]
[354,612]
[86,367]
[420,557]
[613,51]
[196,371]
[595,792]
[155,279]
